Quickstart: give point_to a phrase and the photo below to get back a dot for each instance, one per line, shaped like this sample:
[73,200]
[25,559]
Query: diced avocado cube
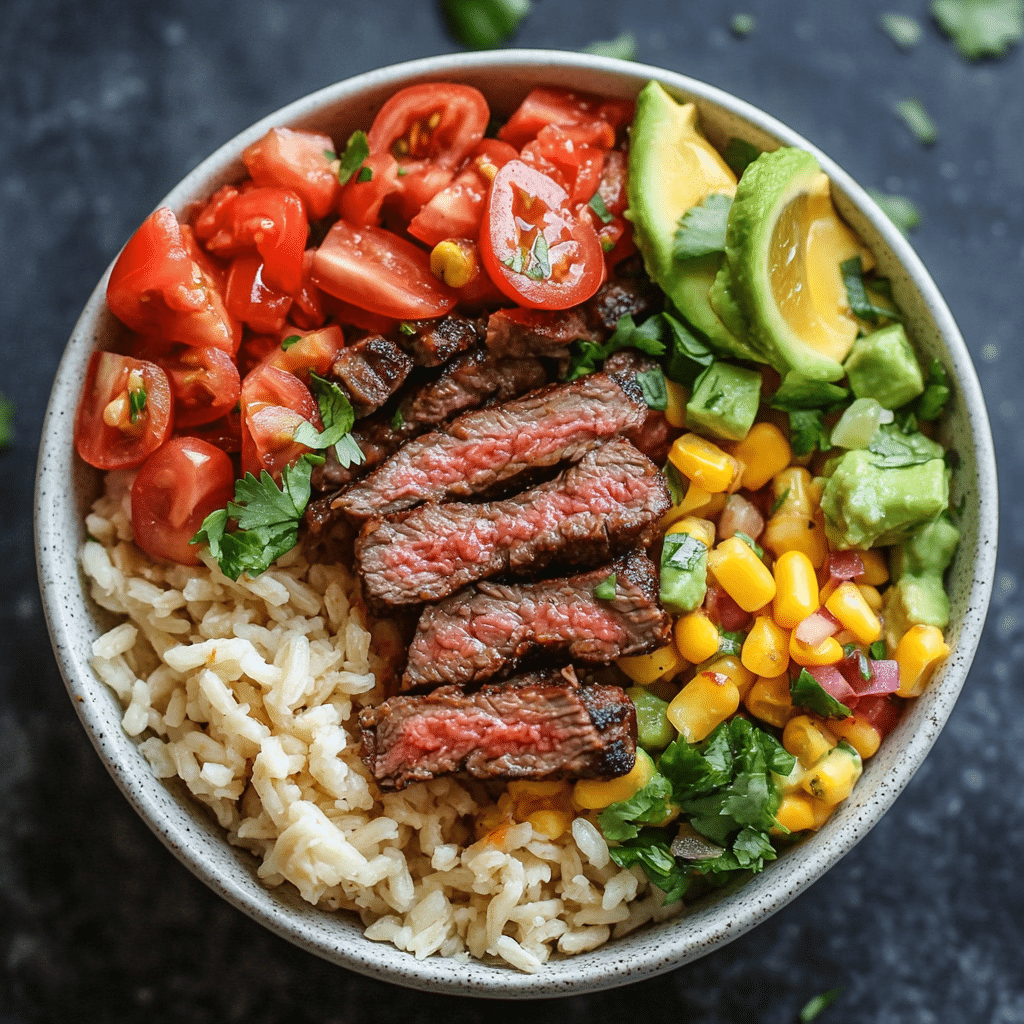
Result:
[724,401]
[914,601]
[882,366]
[865,505]
[654,730]
[929,549]
[684,572]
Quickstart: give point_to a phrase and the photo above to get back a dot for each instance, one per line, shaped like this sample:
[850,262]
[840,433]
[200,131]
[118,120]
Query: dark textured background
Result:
[103,106]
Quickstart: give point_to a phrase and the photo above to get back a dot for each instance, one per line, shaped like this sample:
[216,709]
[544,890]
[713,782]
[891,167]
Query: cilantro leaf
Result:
[623,46]
[814,1007]
[136,403]
[930,404]
[739,155]
[652,384]
[605,590]
[6,422]
[980,28]
[674,479]
[597,205]
[900,210]
[682,551]
[779,502]
[357,149]
[918,120]
[647,338]
[688,357]
[808,693]
[903,30]
[701,229]
[481,24]
[292,339]
[338,417]
[731,641]
[877,650]
[650,849]
[797,392]
[750,542]
[893,449]
[650,805]
[857,294]
[807,431]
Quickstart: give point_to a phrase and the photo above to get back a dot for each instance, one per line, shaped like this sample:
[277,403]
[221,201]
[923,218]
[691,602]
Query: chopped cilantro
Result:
[813,1007]
[857,294]
[742,24]
[539,251]
[481,24]
[337,416]
[750,542]
[808,693]
[623,46]
[980,28]
[688,356]
[290,340]
[807,431]
[597,205]
[739,155]
[357,149]
[730,642]
[877,650]
[892,449]
[900,210]
[701,229]
[605,590]
[779,502]
[903,30]
[407,327]
[652,385]
[918,120]
[647,338]
[674,479]
[136,403]
[682,551]
[6,422]
[930,404]
[365,174]
[397,420]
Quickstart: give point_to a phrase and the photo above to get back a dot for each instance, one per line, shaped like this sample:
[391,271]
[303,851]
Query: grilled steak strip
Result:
[536,730]
[536,332]
[485,447]
[608,503]
[489,628]
[629,292]
[371,370]
[434,342]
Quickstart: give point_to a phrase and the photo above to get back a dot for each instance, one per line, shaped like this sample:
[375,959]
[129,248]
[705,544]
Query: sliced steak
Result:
[630,292]
[481,449]
[608,503]
[536,332]
[371,370]
[483,630]
[536,730]
[434,342]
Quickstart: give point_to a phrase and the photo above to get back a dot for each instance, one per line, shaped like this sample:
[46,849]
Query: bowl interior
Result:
[194,837]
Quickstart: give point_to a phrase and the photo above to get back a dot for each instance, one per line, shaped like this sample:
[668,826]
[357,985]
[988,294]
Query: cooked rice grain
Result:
[249,692]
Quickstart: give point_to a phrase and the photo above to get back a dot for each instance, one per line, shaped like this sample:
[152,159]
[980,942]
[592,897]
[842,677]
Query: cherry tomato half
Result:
[274,404]
[204,382]
[303,351]
[536,248]
[364,195]
[251,299]
[124,413]
[380,272]
[592,120]
[178,486]
[156,288]
[298,160]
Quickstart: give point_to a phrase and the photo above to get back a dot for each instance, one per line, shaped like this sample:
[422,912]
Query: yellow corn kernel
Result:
[702,529]
[787,531]
[675,408]
[828,652]
[808,739]
[697,500]
[745,578]
[920,651]
[766,648]
[453,262]
[702,704]
[646,668]
[696,637]
[594,794]
[550,823]
[732,668]
[795,491]
[531,789]
[704,463]
[799,812]
[859,733]
[847,604]
[796,589]
[763,452]
[833,777]
[876,572]
[871,596]
[769,700]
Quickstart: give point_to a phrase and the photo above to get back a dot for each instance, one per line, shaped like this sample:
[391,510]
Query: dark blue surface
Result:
[103,107]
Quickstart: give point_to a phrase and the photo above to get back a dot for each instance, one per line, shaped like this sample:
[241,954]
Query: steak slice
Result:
[434,342]
[536,332]
[483,448]
[371,370]
[486,629]
[630,292]
[608,503]
[534,730]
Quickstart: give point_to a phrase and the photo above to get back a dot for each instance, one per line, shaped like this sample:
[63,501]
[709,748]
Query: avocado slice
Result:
[784,245]
[724,401]
[673,168]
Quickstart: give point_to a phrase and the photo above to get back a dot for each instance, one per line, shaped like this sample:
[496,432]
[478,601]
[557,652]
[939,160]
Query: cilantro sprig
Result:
[701,229]
[648,338]
[980,28]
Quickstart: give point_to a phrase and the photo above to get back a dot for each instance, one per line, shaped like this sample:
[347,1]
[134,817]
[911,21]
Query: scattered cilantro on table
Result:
[623,46]
[918,120]
[900,210]
[814,1007]
[742,24]
[980,28]
[481,24]
[903,30]
[6,422]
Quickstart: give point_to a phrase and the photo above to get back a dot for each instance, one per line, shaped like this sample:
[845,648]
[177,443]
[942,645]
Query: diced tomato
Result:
[301,352]
[352,316]
[456,211]
[536,248]
[214,224]
[204,382]
[612,187]
[579,166]
[298,160]
[156,288]
[597,118]
[307,309]
[380,272]
[364,195]
[124,413]
[211,268]
[723,611]
[178,486]
[254,349]
[274,404]
[225,433]
[250,299]
[883,712]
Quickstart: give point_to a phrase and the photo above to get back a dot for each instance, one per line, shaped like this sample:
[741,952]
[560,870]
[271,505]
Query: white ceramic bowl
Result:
[66,487]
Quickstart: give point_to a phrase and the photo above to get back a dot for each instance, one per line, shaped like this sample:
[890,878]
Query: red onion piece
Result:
[845,565]
[834,683]
[817,627]
[885,678]
[740,516]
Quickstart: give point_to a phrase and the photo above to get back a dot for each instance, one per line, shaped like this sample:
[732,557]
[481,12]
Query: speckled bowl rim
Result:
[64,489]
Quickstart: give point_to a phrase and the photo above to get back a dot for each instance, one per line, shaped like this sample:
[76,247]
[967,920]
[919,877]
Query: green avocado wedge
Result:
[673,168]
